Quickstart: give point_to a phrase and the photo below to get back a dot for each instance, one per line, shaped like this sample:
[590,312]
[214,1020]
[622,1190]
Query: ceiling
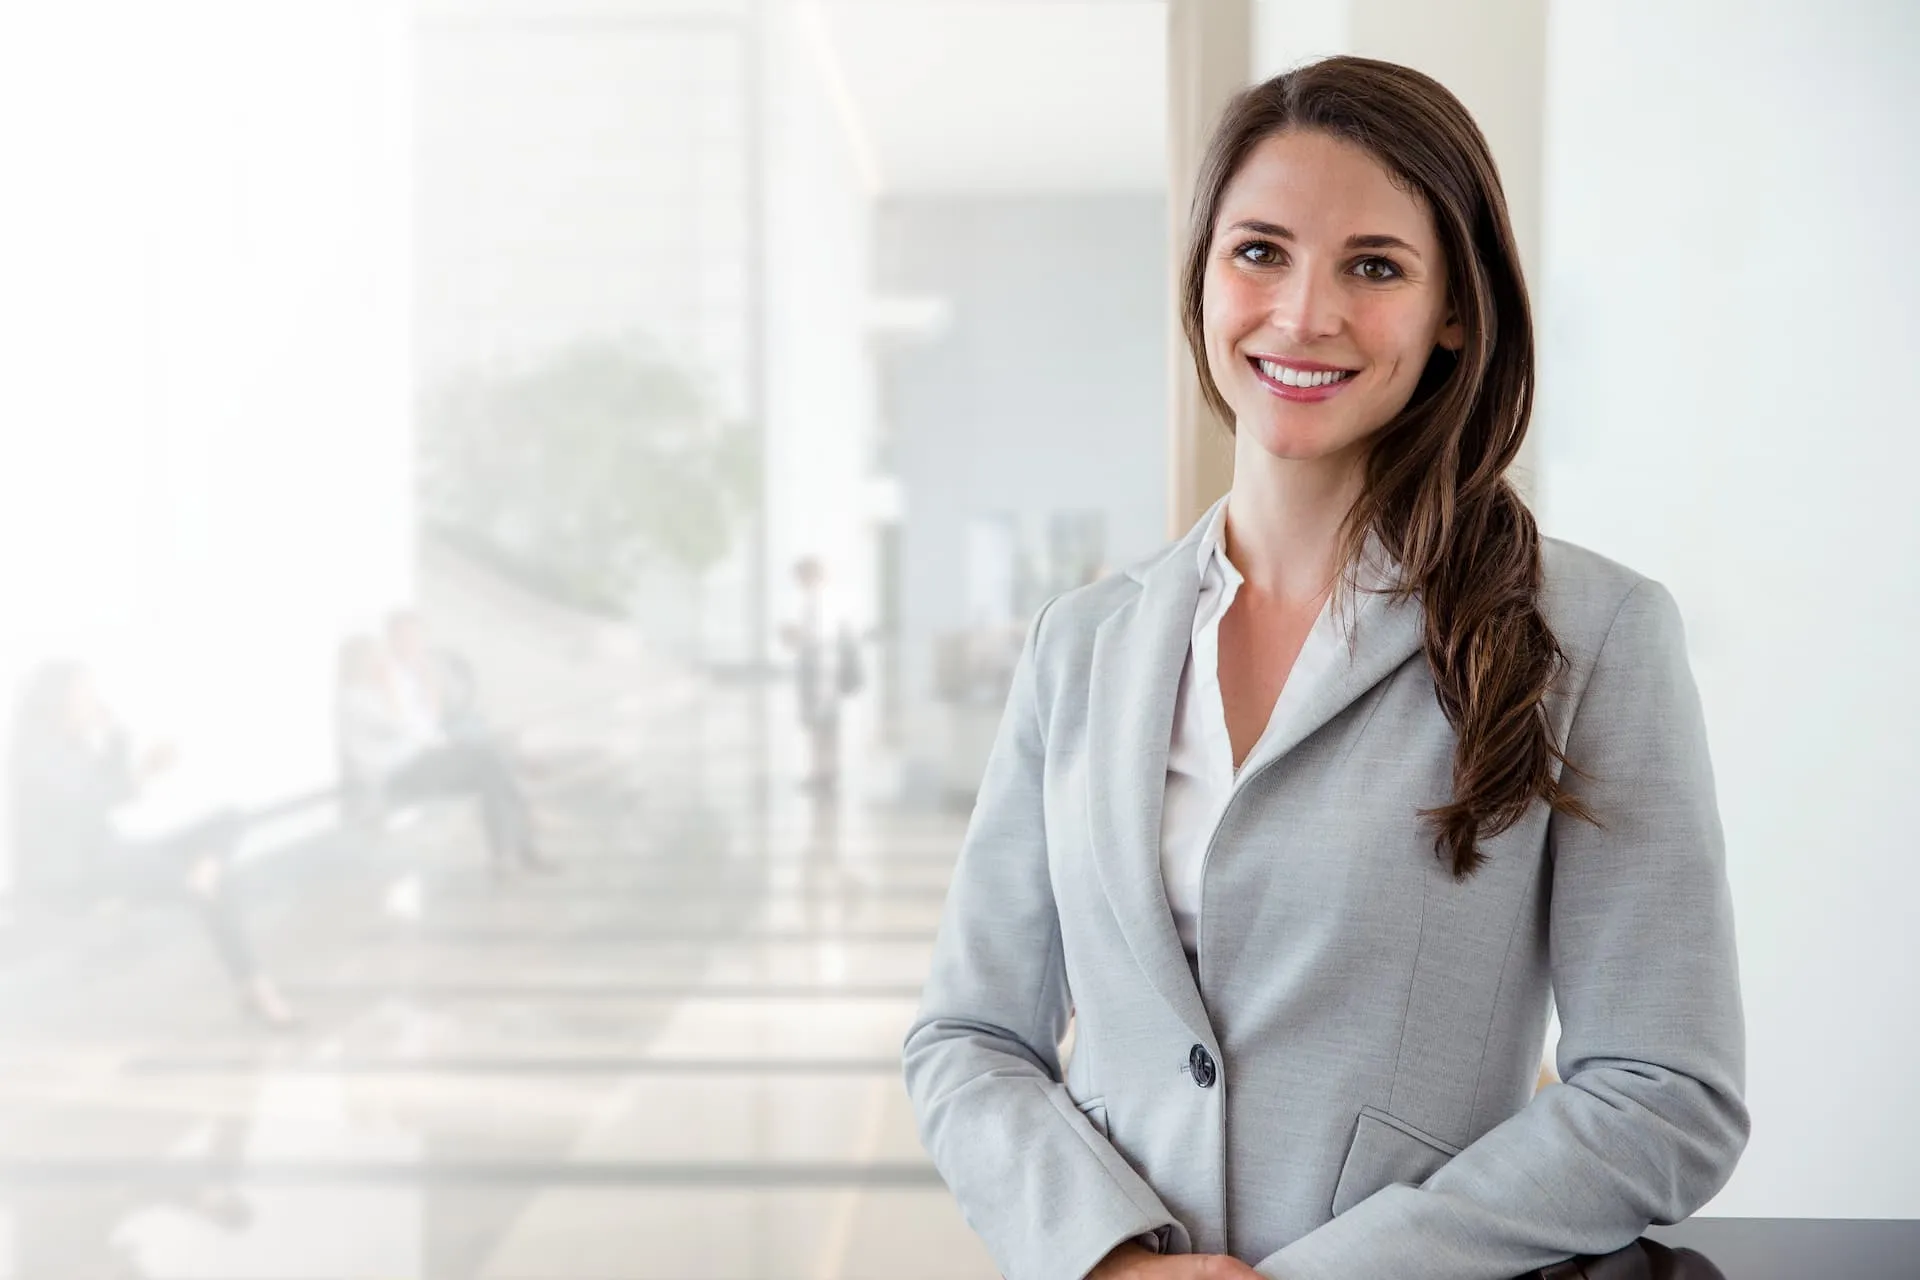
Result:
[1001,95]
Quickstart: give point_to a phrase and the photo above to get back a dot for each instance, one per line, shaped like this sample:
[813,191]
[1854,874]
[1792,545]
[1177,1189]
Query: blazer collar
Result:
[1139,653]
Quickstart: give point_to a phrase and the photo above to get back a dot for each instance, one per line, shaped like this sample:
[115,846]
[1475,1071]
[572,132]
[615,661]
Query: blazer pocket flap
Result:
[1387,1150]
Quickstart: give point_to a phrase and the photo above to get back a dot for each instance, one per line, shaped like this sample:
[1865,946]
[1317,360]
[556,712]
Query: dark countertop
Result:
[1802,1248]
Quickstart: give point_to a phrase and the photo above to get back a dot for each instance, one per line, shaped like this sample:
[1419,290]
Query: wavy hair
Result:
[1435,490]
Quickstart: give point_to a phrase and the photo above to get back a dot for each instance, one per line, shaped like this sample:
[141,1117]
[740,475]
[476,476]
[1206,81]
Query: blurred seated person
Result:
[437,682]
[397,747]
[75,779]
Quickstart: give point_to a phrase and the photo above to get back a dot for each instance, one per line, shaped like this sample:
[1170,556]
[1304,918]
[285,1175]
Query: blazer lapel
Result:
[1386,634]
[1138,655]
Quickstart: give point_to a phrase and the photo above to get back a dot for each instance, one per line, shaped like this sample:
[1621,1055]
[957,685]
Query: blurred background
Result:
[517,517]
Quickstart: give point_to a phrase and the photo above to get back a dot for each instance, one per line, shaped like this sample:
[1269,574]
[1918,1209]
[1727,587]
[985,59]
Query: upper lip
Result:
[1304,366]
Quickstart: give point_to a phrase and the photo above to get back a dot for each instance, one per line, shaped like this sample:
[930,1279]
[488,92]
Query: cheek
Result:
[1229,301]
[1229,311]
[1393,336]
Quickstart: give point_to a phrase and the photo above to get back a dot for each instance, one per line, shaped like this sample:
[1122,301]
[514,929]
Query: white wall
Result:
[1729,393]
[206,388]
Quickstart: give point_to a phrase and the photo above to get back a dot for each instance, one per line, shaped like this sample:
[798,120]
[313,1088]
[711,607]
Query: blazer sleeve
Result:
[1044,1190]
[1649,1120]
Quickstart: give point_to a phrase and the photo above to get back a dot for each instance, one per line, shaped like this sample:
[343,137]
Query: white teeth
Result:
[1295,378]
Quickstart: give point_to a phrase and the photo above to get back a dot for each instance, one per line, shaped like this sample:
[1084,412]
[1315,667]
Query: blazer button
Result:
[1200,1062]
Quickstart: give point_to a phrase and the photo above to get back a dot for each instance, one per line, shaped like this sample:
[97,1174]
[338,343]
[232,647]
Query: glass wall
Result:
[524,512]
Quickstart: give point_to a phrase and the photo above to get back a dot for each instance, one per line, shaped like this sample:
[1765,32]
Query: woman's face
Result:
[1319,261]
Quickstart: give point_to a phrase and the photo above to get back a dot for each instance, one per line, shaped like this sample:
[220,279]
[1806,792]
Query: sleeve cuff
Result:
[1158,1240]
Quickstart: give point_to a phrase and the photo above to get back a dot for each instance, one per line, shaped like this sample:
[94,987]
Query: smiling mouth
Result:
[1305,380]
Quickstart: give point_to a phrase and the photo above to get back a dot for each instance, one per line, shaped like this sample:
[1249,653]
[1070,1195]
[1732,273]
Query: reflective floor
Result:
[676,1058]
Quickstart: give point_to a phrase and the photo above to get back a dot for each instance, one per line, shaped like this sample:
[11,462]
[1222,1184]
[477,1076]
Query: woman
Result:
[1304,819]
[73,773]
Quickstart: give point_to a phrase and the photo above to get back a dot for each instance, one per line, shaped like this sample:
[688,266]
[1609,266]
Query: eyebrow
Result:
[1353,242]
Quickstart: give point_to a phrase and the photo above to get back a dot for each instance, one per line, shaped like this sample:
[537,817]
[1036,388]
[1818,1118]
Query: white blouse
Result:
[1200,775]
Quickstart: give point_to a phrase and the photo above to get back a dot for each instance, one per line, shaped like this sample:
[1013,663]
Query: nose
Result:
[1304,306]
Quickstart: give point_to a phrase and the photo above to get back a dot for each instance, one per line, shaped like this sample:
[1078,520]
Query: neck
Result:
[1284,519]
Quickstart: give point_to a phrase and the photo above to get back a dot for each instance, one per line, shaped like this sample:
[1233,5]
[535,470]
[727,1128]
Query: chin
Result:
[1293,442]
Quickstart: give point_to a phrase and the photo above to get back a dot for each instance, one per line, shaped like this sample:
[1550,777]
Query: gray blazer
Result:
[1345,1090]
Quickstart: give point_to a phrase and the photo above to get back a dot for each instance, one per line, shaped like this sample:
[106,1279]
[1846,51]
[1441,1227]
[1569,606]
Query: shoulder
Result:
[1060,638]
[1591,603]
[1068,621]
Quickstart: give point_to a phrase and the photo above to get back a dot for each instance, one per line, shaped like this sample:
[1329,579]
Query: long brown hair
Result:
[1435,490]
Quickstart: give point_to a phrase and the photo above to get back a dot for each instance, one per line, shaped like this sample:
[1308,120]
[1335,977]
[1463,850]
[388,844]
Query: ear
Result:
[1452,335]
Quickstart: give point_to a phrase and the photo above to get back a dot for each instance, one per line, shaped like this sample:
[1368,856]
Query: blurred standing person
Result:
[74,776]
[827,670]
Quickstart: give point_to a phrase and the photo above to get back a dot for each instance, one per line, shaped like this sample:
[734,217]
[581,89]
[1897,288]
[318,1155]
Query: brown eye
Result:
[1392,272]
[1258,252]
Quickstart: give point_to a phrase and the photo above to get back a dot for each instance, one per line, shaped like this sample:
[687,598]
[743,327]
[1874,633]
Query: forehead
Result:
[1320,187]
